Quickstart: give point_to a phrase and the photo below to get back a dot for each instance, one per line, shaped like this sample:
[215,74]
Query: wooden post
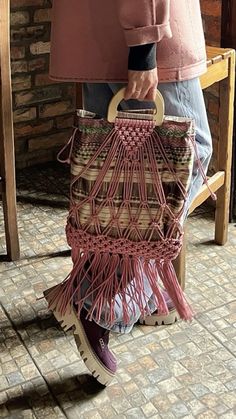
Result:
[180,262]
[227,89]
[7,156]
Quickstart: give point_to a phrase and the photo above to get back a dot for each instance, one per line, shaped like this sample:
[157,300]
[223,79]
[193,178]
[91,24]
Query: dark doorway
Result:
[228,40]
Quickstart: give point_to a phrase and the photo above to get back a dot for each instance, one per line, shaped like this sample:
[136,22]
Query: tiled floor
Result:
[181,371]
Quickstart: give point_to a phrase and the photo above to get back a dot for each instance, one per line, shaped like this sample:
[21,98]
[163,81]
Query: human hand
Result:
[142,85]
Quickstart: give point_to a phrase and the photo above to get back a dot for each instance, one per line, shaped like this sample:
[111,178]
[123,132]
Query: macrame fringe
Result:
[103,283]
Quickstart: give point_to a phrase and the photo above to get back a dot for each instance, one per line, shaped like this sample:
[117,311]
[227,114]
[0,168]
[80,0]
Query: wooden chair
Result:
[7,157]
[221,68]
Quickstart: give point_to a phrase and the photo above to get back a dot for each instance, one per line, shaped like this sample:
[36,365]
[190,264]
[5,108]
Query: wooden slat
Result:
[217,51]
[215,55]
[215,182]
[215,73]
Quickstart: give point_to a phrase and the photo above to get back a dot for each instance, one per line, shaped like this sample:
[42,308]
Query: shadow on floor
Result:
[80,388]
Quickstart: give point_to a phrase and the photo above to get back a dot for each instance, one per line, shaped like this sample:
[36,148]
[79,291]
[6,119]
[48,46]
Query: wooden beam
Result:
[216,72]
[227,91]
[215,182]
[7,154]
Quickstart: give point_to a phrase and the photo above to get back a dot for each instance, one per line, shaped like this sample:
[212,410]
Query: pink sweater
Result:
[91,38]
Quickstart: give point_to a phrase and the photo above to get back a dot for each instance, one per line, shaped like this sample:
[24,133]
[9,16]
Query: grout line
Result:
[36,366]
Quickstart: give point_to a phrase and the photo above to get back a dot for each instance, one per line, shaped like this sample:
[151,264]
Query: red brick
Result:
[38,64]
[19,67]
[38,95]
[55,109]
[27,34]
[65,121]
[42,15]
[211,7]
[26,114]
[20,18]
[17,53]
[21,83]
[43,80]
[25,3]
[33,128]
[38,48]
[47,142]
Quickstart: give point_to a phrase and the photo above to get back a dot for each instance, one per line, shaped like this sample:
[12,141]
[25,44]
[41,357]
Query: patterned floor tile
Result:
[41,235]
[210,278]
[23,391]
[221,322]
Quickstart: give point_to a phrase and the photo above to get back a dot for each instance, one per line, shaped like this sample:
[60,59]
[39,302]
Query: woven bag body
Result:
[129,186]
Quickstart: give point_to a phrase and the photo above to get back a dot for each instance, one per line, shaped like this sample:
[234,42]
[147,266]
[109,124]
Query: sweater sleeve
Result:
[144,21]
[142,57]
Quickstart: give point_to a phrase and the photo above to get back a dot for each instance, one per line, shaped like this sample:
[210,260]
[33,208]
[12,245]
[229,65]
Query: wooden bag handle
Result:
[119,96]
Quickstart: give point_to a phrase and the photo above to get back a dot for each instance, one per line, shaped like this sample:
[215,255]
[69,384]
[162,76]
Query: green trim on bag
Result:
[171,133]
[94,130]
[105,130]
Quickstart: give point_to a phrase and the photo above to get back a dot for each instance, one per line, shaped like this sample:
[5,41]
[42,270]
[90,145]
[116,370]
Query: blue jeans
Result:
[181,99]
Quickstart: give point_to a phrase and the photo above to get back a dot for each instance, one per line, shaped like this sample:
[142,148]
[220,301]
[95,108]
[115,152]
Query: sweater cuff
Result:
[142,57]
[147,34]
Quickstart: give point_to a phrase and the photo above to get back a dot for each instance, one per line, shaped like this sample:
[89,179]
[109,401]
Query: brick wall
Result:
[211,13]
[42,110]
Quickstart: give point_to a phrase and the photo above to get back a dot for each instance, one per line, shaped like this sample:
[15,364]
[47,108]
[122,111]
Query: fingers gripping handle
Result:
[119,96]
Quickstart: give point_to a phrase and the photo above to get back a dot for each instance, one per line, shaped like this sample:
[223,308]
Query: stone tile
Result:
[149,410]
[41,234]
[21,384]
[30,399]
[11,347]
[210,268]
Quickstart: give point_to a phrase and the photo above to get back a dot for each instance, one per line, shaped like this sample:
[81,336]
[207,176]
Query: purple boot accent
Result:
[92,341]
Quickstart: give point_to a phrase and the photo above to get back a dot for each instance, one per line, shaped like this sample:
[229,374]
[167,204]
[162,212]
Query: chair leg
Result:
[10,221]
[227,87]
[180,264]
[7,155]
[8,186]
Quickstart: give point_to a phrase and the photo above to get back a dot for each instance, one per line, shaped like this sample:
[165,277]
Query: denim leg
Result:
[181,99]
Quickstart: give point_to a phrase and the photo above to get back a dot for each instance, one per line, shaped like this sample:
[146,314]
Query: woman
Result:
[146,43]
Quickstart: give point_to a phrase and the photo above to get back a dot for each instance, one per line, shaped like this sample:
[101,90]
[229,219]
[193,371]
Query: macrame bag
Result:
[130,179]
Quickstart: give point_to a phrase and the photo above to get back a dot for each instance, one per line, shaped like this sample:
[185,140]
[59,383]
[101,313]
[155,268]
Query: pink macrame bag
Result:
[130,180]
